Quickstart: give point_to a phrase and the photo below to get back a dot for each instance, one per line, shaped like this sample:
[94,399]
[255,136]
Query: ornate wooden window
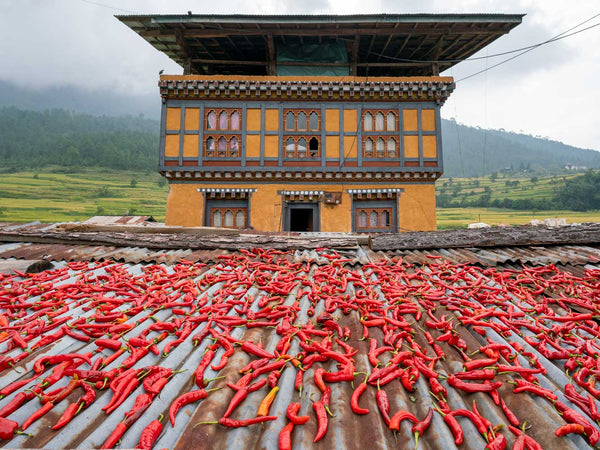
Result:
[374,219]
[222,146]
[228,213]
[380,147]
[302,120]
[375,120]
[223,119]
[378,140]
[374,215]
[302,146]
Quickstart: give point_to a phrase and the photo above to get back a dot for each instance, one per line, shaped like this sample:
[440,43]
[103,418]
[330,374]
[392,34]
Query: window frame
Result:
[224,205]
[296,112]
[378,206]
[218,112]
[228,151]
[296,153]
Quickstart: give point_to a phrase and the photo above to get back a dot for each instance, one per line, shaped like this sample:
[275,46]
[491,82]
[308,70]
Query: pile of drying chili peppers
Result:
[100,333]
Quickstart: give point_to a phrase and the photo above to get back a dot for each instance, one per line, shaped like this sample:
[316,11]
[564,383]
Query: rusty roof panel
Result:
[118,220]
[91,426]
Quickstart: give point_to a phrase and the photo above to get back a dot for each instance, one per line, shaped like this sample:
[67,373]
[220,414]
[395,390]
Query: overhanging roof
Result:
[378,45]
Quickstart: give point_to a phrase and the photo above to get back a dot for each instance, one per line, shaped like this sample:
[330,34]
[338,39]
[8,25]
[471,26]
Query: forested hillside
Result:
[475,152]
[33,139]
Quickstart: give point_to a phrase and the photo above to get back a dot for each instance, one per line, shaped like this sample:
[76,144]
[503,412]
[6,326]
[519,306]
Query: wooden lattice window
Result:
[377,120]
[374,219]
[302,120]
[228,217]
[222,146]
[375,215]
[380,147]
[227,119]
[302,146]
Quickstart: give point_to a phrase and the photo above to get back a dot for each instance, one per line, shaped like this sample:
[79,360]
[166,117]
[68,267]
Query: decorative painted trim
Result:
[375,191]
[235,193]
[302,174]
[437,91]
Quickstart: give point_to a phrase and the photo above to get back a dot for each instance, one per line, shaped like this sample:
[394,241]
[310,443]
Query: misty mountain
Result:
[73,98]
[471,152]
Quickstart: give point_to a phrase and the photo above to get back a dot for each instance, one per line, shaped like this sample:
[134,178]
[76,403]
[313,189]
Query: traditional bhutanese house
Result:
[308,123]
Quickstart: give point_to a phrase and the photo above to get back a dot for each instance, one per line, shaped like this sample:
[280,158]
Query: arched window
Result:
[379,121]
[362,219]
[368,122]
[290,121]
[211,121]
[235,121]
[233,146]
[373,219]
[385,219]
[228,219]
[240,221]
[290,147]
[301,121]
[391,148]
[313,121]
[216,218]
[313,147]
[210,146]
[369,148]
[301,147]
[391,121]
[223,121]
[380,147]
[222,145]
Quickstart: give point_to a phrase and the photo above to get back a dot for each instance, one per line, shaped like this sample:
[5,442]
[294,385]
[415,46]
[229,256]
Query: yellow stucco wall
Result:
[173,118]
[192,118]
[185,205]
[416,206]
[429,147]
[428,120]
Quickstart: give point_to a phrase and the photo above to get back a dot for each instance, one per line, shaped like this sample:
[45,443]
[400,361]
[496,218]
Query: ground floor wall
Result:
[413,204]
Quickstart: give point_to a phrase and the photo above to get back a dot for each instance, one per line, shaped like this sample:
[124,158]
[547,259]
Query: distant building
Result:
[308,123]
[573,167]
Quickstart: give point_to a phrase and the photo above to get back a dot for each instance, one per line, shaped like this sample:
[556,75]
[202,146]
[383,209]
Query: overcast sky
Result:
[552,91]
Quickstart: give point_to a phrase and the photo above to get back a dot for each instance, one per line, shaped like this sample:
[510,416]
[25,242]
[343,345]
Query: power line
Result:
[556,38]
[529,47]
[107,6]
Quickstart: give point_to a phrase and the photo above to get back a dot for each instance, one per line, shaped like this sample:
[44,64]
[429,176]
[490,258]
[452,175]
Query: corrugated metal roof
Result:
[288,286]
[119,220]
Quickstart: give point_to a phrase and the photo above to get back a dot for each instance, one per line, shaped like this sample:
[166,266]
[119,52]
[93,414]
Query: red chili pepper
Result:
[111,344]
[319,378]
[383,403]
[472,387]
[419,428]
[115,436]
[570,428]
[182,400]
[8,429]
[499,443]
[150,434]
[399,417]
[67,416]
[355,396]
[455,427]
[37,414]
[485,374]
[512,418]
[292,411]
[227,422]
[16,402]
[285,437]
[254,349]
[322,420]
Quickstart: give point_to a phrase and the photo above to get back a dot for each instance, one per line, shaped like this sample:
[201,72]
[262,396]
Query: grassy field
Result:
[514,187]
[58,197]
[450,218]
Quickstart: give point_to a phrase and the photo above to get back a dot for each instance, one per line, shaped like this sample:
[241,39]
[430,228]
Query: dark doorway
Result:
[301,219]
